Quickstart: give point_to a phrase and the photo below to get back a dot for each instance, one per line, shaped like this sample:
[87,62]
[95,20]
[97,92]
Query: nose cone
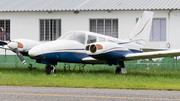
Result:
[35,51]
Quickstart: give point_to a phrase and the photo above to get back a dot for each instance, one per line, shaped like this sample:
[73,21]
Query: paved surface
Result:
[11,93]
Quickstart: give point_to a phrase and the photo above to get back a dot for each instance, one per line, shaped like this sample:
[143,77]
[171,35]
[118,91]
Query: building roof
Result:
[86,5]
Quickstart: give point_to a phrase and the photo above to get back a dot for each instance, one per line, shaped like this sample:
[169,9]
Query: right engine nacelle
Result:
[106,50]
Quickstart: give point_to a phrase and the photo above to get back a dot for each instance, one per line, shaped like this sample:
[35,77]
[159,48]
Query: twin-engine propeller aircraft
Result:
[91,48]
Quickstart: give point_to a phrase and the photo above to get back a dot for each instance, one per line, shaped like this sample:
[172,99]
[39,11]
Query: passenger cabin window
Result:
[111,41]
[100,39]
[91,39]
[77,36]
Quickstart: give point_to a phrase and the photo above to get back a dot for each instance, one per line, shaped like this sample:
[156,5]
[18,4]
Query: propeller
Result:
[20,56]
[13,46]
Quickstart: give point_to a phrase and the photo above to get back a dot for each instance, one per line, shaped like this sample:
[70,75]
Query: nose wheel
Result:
[50,69]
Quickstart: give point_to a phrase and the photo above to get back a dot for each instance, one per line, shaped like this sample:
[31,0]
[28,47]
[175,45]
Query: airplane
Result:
[91,48]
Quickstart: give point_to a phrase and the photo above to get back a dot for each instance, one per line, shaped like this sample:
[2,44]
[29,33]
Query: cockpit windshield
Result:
[64,36]
[77,36]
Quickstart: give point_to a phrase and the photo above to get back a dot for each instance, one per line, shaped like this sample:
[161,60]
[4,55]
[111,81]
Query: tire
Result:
[118,70]
[50,69]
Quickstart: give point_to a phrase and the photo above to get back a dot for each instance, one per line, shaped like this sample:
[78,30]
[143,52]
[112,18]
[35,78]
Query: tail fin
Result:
[142,29]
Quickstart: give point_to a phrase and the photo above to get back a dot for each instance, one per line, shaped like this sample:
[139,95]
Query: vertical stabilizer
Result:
[142,29]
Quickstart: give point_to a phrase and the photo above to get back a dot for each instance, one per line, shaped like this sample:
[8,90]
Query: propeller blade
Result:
[4,32]
[20,56]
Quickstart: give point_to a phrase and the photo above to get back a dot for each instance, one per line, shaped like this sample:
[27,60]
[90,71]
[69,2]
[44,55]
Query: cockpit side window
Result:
[91,39]
[77,36]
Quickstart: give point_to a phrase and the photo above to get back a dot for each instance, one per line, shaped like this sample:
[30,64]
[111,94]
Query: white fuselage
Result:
[71,46]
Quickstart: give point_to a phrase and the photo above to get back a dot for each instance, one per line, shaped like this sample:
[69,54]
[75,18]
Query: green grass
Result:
[92,78]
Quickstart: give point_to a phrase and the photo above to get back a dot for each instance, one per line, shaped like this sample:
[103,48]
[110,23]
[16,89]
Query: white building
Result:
[46,20]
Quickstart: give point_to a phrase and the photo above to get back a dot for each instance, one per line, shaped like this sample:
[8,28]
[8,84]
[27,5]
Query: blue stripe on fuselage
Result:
[76,57]
[132,50]
[63,57]
[135,51]
[124,43]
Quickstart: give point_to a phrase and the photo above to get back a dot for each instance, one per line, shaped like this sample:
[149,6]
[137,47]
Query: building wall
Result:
[26,24]
[174,29]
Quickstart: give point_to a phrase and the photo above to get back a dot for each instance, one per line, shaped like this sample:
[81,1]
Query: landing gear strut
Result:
[50,69]
[121,68]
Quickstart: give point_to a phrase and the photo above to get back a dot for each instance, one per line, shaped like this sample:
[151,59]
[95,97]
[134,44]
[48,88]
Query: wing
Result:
[93,60]
[156,54]
[5,47]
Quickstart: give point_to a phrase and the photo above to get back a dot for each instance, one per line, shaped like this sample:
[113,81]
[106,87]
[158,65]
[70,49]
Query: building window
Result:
[50,29]
[105,26]
[6,25]
[158,30]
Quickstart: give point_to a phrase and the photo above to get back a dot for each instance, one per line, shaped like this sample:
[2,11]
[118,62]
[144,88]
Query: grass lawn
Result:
[92,78]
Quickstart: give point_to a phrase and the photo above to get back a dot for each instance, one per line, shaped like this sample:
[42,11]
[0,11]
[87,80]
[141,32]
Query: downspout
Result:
[168,30]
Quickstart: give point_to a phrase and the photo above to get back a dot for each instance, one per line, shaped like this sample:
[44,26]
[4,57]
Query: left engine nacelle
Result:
[25,45]
[106,50]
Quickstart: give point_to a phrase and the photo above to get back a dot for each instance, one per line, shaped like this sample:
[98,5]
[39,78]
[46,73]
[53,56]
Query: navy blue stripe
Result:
[135,51]
[63,57]
[124,43]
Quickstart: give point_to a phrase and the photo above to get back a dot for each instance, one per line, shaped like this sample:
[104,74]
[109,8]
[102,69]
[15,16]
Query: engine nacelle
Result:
[106,50]
[25,45]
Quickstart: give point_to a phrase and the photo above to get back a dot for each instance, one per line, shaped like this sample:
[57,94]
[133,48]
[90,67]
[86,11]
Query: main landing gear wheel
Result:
[118,70]
[50,69]
[121,68]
